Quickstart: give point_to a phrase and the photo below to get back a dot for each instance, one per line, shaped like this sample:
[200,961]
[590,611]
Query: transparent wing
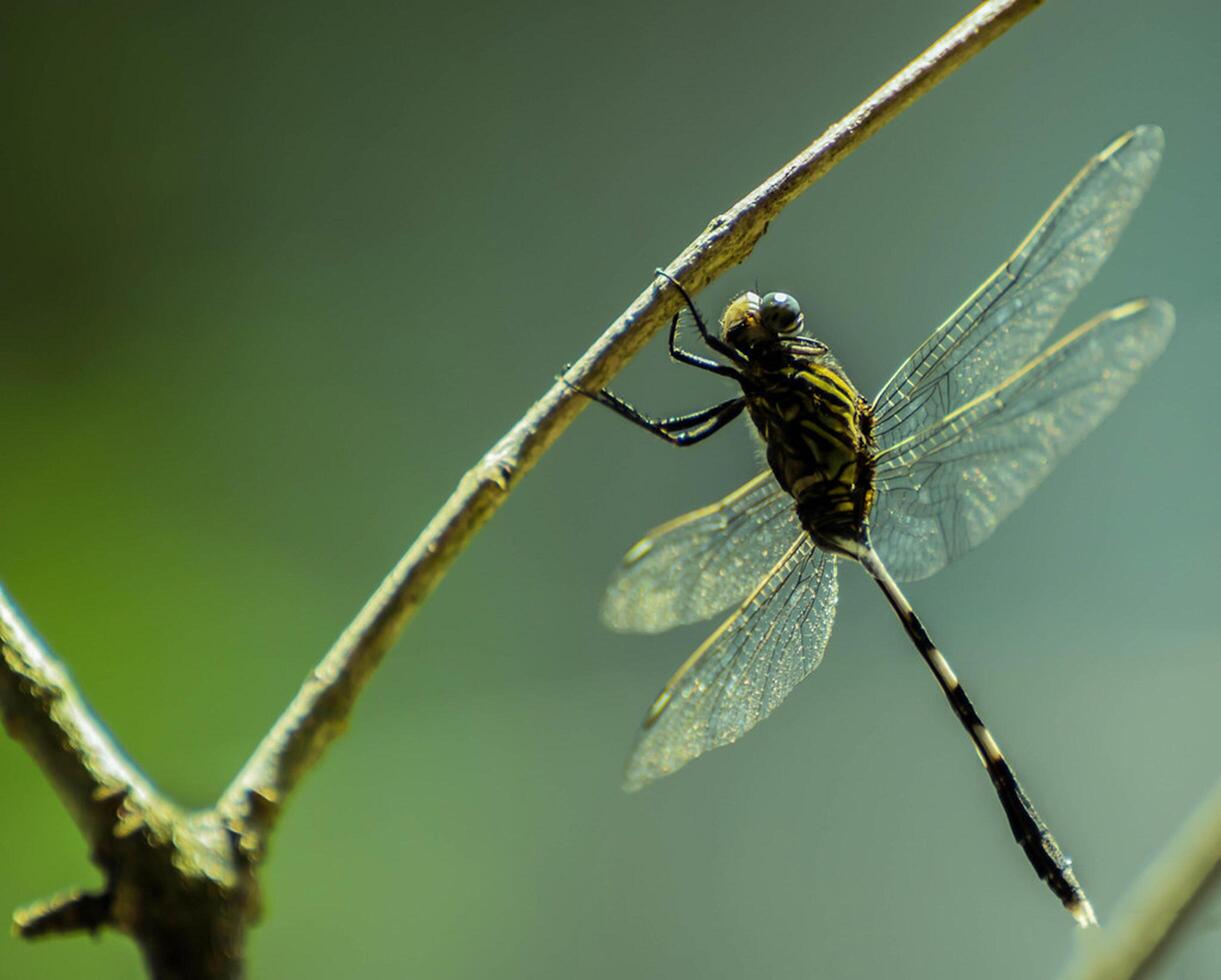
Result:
[702,563]
[745,669]
[944,490]
[1010,316]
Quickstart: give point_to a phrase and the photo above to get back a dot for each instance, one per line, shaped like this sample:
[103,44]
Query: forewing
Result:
[944,490]
[745,669]
[1010,316]
[702,563]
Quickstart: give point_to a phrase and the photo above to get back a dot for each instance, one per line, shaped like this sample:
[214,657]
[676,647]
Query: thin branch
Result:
[320,710]
[1160,904]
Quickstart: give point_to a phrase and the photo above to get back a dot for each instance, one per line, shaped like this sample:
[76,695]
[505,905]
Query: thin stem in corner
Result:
[1160,904]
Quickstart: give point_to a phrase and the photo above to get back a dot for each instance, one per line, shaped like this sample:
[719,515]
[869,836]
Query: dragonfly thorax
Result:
[818,433]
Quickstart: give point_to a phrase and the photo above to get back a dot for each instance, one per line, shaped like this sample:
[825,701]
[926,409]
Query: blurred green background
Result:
[274,275]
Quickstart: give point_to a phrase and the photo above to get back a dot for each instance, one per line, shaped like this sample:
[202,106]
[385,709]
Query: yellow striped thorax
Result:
[814,423]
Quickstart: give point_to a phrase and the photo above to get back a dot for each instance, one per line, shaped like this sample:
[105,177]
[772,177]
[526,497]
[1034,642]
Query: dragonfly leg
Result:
[711,340]
[681,430]
[704,363]
[1028,828]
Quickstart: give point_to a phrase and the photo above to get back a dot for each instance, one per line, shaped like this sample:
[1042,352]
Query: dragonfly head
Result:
[752,319]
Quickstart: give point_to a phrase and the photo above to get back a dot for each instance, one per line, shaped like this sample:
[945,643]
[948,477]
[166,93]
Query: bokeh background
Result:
[274,275]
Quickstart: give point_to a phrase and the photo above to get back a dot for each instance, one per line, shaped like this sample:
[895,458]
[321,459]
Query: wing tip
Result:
[638,773]
[1150,133]
[644,768]
[1147,137]
[615,611]
[1164,311]
[1158,317]
[610,613]
[622,615]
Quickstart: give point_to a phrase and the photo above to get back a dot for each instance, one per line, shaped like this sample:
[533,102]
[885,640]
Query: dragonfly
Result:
[969,424]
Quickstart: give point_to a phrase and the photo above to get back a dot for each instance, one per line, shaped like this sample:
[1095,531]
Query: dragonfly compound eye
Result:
[781,313]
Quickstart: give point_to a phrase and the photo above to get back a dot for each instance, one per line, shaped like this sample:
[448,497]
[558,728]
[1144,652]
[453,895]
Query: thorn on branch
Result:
[112,798]
[108,792]
[68,912]
[130,821]
[249,831]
